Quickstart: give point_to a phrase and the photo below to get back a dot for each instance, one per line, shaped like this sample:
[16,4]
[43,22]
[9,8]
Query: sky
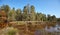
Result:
[51,7]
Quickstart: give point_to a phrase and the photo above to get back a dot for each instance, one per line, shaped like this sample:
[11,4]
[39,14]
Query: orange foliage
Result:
[3,13]
[2,25]
[3,19]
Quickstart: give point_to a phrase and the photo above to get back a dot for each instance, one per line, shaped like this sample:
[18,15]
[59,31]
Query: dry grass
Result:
[8,31]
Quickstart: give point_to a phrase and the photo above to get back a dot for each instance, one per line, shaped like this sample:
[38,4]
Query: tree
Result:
[53,18]
[49,18]
[32,13]
[6,8]
[18,15]
[40,17]
[43,17]
[25,13]
[12,15]
[58,19]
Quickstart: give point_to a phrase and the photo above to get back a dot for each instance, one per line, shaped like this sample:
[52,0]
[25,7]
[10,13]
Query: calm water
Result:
[53,29]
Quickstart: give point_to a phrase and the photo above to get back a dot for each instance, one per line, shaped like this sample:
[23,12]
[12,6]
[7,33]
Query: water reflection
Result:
[53,29]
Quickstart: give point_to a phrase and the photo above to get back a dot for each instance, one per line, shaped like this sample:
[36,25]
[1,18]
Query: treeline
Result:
[27,14]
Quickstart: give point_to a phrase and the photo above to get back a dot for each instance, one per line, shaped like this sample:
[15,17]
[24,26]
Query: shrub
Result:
[12,31]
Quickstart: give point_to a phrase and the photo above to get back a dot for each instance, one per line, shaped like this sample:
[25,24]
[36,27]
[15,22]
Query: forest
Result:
[27,14]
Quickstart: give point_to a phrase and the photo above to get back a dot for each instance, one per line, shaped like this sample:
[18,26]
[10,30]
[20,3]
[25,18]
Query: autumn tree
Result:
[6,8]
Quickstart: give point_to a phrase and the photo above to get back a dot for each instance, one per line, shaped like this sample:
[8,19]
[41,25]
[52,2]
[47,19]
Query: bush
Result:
[12,31]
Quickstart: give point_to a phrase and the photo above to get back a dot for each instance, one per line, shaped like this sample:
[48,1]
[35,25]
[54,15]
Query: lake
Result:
[53,29]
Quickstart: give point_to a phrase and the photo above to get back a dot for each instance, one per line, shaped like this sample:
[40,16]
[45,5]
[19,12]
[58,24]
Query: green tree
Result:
[40,17]
[12,15]
[43,17]
[32,13]
[58,19]
[49,17]
[25,13]
[18,15]
[53,18]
